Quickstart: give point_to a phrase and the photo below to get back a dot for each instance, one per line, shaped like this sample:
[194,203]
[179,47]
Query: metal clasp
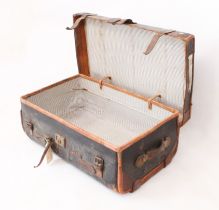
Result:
[60,140]
[99,164]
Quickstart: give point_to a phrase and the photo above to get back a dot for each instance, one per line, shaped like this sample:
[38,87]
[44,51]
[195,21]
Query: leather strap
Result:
[154,41]
[118,21]
[78,21]
[113,20]
[48,145]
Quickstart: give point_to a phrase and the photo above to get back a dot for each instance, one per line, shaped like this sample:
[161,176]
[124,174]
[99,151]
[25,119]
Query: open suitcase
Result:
[119,119]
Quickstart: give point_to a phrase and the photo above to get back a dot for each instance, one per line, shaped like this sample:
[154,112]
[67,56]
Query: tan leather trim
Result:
[120,173]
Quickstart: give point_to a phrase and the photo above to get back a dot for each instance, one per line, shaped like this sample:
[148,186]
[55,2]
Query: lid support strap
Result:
[154,41]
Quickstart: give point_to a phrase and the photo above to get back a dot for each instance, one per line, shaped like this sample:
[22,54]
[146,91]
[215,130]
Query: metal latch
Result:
[29,126]
[60,140]
[99,164]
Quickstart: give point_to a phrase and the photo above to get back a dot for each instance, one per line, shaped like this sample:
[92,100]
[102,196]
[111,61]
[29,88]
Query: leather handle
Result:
[153,153]
[49,143]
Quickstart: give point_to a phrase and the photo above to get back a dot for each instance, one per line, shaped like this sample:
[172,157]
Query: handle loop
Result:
[153,153]
[151,99]
[102,80]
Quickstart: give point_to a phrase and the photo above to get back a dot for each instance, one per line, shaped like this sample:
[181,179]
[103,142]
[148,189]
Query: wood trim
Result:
[120,173]
[186,82]
[81,47]
[188,95]
[88,134]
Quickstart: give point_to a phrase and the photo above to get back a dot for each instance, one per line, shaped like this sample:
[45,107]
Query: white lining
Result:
[117,51]
[109,114]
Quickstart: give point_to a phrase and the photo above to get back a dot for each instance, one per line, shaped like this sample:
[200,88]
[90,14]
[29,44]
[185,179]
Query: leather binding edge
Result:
[119,173]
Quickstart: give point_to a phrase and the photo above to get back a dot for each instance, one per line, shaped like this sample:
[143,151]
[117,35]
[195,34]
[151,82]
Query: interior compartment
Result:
[110,114]
[118,51]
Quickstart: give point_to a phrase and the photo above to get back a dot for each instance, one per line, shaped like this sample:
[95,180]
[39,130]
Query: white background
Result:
[36,50]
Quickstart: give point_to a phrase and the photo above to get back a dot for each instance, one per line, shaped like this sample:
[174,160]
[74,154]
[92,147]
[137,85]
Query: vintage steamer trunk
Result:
[106,120]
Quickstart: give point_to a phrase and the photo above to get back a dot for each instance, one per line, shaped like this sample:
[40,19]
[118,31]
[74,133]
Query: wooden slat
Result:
[81,47]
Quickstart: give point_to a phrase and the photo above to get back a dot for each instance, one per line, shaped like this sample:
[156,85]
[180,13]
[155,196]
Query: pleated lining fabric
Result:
[109,114]
[117,51]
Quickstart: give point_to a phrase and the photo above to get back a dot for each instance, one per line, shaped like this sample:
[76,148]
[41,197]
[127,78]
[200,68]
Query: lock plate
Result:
[99,164]
[60,140]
